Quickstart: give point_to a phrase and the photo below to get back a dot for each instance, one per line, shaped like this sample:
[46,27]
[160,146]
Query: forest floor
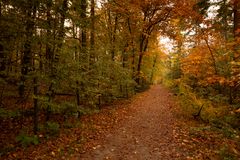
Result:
[154,129]
[149,126]
[147,132]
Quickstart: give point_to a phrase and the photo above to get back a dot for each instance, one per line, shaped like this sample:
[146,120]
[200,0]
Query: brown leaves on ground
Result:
[200,140]
[149,126]
[88,129]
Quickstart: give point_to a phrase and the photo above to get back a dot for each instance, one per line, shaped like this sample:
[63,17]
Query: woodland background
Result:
[60,59]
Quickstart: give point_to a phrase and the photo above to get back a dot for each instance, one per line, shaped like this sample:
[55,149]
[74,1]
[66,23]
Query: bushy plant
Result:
[8,114]
[26,140]
[52,128]
[226,154]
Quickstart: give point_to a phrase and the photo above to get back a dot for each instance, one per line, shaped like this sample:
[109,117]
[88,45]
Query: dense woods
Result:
[60,59]
[68,57]
[206,59]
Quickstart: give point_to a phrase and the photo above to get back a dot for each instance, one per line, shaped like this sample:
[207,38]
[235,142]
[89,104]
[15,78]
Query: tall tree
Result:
[2,60]
[49,35]
[27,60]
[92,34]
[83,15]
[154,13]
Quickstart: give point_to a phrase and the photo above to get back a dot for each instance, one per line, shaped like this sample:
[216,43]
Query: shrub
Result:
[26,140]
[52,128]
[8,114]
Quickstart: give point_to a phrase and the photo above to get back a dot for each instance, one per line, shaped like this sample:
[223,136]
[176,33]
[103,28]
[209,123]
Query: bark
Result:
[125,56]
[61,31]
[27,48]
[225,21]
[83,29]
[92,34]
[78,94]
[212,56]
[55,58]
[142,49]
[49,50]
[112,29]
[0,10]
[236,33]
[50,95]
[36,109]
[113,38]
[153,68]
[230,100]
[63,13]
[236,12]
[2,57]
[133,48]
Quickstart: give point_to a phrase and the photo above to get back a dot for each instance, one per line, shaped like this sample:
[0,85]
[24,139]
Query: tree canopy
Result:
[71,56]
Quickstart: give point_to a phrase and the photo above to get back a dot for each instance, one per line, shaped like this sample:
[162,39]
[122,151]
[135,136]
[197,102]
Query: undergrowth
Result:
[214,108]
[216,114]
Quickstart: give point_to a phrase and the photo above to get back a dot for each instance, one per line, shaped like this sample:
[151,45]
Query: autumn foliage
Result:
[62,59]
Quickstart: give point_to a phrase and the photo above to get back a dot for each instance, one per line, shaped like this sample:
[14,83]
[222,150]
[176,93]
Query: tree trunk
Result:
[2,55]
[27,48]
[236,11]
[125,56]
[49,50]
[50,95]
[61,33]
[35,108]
[225,21]
[92,33]
[78,94]
[133,47]
[84,30]
[142,49]
[113,38]
[2,59]
[153,67]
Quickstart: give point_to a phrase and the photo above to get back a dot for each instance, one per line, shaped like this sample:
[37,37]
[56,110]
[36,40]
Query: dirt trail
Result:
[147,133]
[149,126]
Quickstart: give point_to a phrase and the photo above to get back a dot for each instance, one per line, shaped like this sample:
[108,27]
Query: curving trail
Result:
[145,134]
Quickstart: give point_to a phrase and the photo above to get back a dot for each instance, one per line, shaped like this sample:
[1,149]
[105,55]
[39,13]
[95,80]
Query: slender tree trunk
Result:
[55,57]
[2,57]
[113,38]
[236,33]
[0,10]
[83,16]
[225,22]
[49,57]
[61,33]
[133,47]
[49,50]
[50,95]
[125,56]
[92,33]
[76,58]
[35,101]
[27,51]
[236,11]
[230,95]
[142,49]
[212,55]
[133,62]
[153,68]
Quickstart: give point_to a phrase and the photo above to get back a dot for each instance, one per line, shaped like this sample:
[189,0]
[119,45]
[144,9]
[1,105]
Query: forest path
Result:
[146,133]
